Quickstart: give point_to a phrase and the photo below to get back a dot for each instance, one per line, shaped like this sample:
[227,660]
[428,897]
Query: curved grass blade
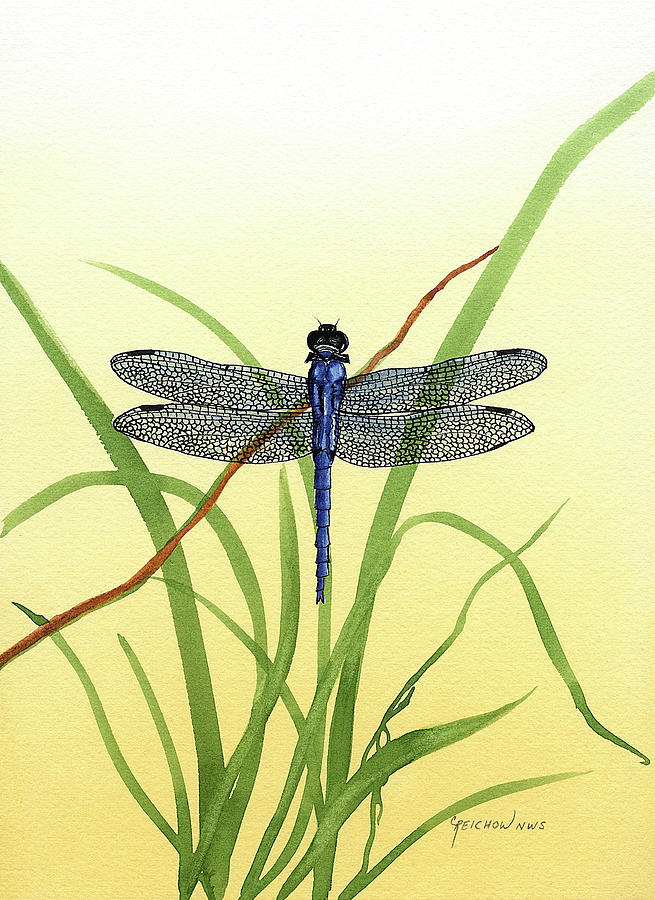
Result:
[403,698]
[192,309]
[286,695]
[356,618]
[459,341]
[158,521]
[264,704]
[182,810]
[111,744]
[313,793]
[247,579]
[364,878]
[241,793]
[395,755]
[540,615]
[216,519]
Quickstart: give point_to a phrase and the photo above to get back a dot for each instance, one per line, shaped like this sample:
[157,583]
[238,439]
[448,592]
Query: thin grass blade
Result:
[216,519]
[459,341]
[160,525]
[182,810]
[192,309]
[364,878]
[286,695]
[109,740]
[398,753]
[542,620]
[403,698]
[264,704]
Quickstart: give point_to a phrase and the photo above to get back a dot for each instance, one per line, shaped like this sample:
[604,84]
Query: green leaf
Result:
[286,695]
[184,831]
[364,878]
[399,752]
[216,519]
[188,306]
[460,340]
[160,525]
[540,615]
[404,696]
[111,744]
[265,702]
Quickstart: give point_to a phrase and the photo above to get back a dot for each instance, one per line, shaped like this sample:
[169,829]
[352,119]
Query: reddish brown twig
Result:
[60,620]
[418,309]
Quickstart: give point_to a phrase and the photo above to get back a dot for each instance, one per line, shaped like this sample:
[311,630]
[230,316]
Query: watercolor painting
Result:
[407,655]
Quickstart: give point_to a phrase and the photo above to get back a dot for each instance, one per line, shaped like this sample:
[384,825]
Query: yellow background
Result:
[272,165]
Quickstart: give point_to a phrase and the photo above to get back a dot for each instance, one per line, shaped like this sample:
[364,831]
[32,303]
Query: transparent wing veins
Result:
[449,383]
[189,379]
[213,432]
[433,435]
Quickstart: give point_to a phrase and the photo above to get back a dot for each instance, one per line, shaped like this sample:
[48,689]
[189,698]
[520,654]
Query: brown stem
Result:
[416,312]
[86,606]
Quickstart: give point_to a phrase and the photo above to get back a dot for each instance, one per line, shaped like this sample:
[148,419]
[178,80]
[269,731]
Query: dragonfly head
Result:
[329,340]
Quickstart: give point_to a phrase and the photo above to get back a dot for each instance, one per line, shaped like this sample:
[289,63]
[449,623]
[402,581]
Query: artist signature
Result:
[512,824]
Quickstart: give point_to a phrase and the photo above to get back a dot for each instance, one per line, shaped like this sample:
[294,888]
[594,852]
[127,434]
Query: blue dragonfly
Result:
[389,417]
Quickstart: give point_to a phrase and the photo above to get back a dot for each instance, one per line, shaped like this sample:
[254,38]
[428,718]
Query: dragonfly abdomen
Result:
[322,485]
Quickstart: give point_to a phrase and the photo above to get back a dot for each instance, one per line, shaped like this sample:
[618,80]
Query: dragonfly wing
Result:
[180,376]
[217,433]
[433,435]
[448,383]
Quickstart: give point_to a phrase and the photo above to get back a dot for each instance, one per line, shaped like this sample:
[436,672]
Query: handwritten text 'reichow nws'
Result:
[495,825]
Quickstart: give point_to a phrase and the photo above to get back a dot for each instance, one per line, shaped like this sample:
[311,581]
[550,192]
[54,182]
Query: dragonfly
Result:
[387,417]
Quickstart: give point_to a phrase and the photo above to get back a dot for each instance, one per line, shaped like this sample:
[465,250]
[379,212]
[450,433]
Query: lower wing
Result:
[434,435]
[216,433]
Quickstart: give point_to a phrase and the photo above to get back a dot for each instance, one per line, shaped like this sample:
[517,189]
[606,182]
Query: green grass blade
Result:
[540,615]
[182,810]
[489,287]
[54,492]
[398,753]
[460,340]
[251,890]
[363,879]
[244,573]
[315,717]
[111,745]
[313,794]
[219,854]
[160,525]
[404,696]
[188,306]
[264,704]
[286,695]
[216,519]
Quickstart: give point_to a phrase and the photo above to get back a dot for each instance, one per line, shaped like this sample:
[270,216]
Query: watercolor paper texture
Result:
[257,168]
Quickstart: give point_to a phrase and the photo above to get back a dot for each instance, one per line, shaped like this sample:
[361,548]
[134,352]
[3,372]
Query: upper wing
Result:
[434,435]
[447,383]
[179,376]
[217,433]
